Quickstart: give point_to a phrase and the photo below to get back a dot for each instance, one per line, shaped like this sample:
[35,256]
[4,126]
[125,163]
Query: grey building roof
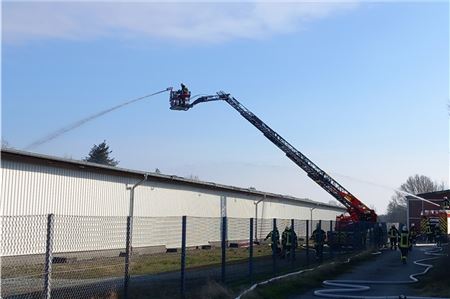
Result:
[23,156]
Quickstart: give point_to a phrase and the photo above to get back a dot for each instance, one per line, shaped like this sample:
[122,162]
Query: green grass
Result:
[140,264]
[198,258]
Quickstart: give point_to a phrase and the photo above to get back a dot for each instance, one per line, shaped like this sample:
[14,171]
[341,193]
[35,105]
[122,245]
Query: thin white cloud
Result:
[185,22]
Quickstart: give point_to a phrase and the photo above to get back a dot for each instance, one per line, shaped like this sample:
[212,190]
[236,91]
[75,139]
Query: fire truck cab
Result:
[433,219]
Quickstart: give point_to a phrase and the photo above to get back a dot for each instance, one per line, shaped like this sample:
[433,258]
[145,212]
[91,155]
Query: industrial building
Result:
[34,184]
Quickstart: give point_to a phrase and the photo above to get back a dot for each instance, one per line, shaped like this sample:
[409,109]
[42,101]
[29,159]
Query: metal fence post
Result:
[321,245]
[49,257]
[274,243]
[293,242]
[307,242]
[256,228]
[224,245]
[127,258]
[183,255]
[372,243]
[331,239]
[339,237]
[357,237]
[250,251]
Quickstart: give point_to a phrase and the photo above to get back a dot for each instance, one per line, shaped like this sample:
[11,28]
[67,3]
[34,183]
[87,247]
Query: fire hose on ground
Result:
[350,286]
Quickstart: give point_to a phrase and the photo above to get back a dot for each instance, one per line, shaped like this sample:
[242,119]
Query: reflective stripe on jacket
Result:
[404,240]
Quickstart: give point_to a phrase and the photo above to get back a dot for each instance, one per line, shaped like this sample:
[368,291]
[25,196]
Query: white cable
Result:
[346,286]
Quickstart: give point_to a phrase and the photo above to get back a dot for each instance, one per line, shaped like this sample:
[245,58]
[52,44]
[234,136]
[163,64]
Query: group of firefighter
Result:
[405,239]
[402,239]
[289,242]
[182,96]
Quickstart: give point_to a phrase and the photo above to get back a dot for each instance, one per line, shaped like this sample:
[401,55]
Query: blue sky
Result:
[360,88]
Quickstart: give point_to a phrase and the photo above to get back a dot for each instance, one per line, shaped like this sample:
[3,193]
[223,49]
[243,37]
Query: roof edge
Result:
[14,154]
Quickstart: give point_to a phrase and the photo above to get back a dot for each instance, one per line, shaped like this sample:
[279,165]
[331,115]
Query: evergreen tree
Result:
[100,154]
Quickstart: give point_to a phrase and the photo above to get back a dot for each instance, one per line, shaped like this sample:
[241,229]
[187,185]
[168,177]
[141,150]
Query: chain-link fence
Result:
[23,247]
[162,257]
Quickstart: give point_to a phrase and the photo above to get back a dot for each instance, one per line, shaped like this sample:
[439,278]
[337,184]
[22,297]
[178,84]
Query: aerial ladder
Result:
[357,211]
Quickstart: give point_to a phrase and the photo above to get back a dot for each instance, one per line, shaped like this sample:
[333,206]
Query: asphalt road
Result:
[386,267]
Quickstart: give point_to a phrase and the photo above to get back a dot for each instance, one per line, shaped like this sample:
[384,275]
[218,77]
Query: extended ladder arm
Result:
[357,210]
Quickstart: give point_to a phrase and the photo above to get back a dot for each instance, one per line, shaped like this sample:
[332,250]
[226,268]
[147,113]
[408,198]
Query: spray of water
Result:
[81,122]
[385,187]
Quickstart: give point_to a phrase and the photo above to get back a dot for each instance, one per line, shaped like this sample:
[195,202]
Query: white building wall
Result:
[31,189]
[160,199]
[34,189]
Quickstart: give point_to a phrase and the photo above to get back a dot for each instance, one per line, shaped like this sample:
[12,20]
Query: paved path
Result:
[388,267]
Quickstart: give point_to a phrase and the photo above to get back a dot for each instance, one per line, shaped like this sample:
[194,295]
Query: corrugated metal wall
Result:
[34,189]
[31,189]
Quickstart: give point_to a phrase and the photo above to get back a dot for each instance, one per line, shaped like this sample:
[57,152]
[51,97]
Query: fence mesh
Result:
[107,257]
[237,250]
[155,257]
[23,243]
[88,256]
[203,253]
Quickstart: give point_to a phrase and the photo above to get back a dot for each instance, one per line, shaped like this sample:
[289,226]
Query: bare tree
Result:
[416,184]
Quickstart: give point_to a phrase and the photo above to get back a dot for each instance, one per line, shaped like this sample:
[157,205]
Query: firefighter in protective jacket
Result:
[319,236]
[404,244]
[393,236]
[184,95]
[288,242]
[274,236]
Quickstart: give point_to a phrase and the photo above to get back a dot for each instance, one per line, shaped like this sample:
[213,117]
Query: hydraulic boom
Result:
[357,210]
